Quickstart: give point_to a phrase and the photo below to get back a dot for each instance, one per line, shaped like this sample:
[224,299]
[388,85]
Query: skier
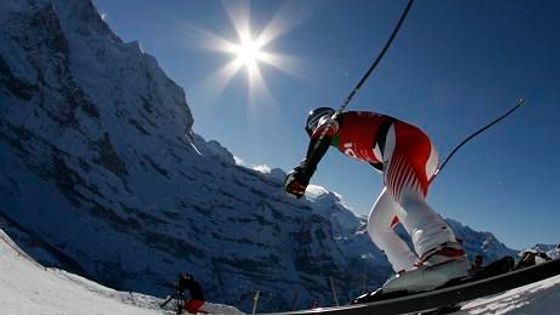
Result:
[187,282]
[406,158]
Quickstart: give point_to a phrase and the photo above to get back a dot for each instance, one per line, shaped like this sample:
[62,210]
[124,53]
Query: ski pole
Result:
[467,139]
[369,71]
[169,298]
[377,60]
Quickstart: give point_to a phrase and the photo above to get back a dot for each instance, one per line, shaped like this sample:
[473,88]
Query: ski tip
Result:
[521,101]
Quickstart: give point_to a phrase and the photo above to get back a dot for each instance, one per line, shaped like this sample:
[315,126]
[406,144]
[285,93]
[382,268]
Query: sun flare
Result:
[249,49]
[248,53]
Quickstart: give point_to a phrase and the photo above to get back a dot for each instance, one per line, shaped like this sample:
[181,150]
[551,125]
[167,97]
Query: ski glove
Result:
[295,184]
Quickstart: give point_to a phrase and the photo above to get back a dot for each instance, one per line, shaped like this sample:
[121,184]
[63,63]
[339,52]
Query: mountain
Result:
[481,243]
[103,175]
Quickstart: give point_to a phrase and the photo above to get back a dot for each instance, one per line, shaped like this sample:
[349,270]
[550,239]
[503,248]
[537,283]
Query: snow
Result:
[29,288]
[537,298]
[555,253]
[315,191]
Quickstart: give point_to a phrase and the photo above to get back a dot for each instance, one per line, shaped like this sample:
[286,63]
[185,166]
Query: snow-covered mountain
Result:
[98,177]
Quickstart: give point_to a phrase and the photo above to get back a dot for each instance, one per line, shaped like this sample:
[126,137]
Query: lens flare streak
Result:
[248,51]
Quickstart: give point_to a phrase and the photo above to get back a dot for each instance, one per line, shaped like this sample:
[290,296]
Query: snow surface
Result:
[26,287]
[538,298]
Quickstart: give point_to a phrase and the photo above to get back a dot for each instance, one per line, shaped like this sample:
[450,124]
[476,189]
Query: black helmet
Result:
[314,117]
[186,276]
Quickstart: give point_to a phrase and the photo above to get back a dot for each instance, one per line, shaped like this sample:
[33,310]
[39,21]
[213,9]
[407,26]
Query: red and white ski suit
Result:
[408,161]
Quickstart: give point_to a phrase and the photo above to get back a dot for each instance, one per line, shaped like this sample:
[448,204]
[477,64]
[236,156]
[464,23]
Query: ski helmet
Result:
[314,117]
[186,276]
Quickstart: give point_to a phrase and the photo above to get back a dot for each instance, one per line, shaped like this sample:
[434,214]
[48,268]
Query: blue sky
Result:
[454,66]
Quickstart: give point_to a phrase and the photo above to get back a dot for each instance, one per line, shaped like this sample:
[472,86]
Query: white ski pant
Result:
[410,161]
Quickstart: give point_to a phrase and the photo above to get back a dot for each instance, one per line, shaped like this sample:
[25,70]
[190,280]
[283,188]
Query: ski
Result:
[440,298]
[166,301]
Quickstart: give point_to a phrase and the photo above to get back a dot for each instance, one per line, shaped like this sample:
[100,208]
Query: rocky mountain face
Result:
[98,176]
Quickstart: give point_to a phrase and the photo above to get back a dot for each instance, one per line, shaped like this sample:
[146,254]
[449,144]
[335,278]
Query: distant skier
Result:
[196,301]
[406,158]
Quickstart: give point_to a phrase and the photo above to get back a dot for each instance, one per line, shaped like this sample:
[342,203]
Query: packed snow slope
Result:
[542,298]
[98,177]
[29,288]
[26,287]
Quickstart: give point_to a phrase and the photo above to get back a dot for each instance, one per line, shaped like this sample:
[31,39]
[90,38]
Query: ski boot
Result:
[436,268]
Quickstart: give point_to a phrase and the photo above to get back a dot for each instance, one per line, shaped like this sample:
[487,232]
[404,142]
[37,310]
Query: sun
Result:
[249,50]
[248,53]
